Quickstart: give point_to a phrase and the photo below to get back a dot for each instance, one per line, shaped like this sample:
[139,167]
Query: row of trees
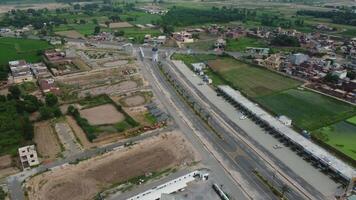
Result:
[179,16]
[345,17]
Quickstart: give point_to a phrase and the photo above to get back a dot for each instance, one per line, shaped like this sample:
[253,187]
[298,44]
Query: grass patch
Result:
[150,118]
[89,102]
[243,42]
[28,87]
[352,120]
[251,80]
[341,136]
[308,110]
[16,49]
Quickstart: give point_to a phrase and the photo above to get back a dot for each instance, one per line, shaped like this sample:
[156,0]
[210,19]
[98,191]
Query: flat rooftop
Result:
[318,152]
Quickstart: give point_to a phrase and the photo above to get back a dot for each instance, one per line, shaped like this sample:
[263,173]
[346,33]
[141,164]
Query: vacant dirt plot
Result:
[5,161]
[116,63]
[86,179]
[104,114]
[136,100]
[48,145]
[70,34]
[110,89]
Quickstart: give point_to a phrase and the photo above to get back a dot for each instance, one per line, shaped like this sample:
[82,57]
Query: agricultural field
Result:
[87,178]
[241,43]
[27,49]
[251,80]
[341,136]
[309,110]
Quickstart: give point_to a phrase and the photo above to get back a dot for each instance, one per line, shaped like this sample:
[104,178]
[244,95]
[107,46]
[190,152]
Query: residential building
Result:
[257,52]
[40,70]
[28,156]
[20,71]
[48,85]
[273,62]
[183,37]
[220,43]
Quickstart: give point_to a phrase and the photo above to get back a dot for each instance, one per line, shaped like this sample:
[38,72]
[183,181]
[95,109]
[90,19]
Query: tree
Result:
[46,113]
[57,111]
[76,6]
[2,194]
[119,33]
[285,40]
[95,21]
[27,128]
[285,189]
[15,91]
[96,30]
[351,74]
[107,23]
[331,78]
[51,100]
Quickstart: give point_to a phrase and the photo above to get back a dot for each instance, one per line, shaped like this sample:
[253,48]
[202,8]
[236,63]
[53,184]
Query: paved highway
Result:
[240,158]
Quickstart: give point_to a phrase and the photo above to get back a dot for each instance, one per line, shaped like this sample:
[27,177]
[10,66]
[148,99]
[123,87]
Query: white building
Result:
[341,74]
[170,186]
[197,67]
[20,71]
[28,156]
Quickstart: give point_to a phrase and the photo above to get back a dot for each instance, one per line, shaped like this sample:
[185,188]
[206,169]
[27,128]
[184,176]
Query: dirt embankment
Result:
[86,179]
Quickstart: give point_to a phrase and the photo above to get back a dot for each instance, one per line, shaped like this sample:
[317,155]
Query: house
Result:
[183,37]
[161,39]
[273,62]
[257,52]
[220,43]
[48,85]
[20,71]
[197,67]
[28,156]
[40,70]
[285,120]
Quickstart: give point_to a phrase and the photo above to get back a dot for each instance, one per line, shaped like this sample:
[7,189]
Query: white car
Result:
[243,117]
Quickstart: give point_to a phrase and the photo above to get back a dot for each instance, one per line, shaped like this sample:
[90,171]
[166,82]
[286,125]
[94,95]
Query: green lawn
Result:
[16,49]
[341,136]
[308,110]
[241,43]
[251,80]
[352,120]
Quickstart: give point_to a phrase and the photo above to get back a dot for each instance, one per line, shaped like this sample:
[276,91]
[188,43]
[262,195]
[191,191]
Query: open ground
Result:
[48,146]
[104,114]
[86,179]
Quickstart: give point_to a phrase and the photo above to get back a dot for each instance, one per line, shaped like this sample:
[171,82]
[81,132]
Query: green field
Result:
[251,80]
[15,49]
[308,110]
[341,136]
[241,43]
